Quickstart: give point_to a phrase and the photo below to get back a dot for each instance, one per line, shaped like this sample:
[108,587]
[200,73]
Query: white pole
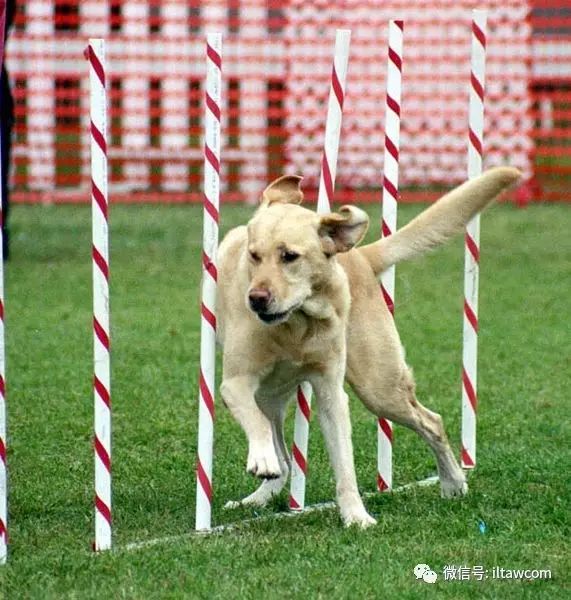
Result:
[300,447]
[207,379]
[333,123]
[101,332]
[214,17]
[93,22]
[472,246]
[3,412]
[389,222]
[324,201]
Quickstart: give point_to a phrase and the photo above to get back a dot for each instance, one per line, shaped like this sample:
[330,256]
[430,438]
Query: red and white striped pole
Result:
[3,415]
[211,201]
[300,447]
[389,222]
[3,412]
[100,254]
[324,201]
[333,122]
[472,240]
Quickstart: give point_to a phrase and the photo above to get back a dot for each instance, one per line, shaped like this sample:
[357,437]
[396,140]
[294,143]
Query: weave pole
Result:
[472,244]
[3,412]
[100,255]
[300,447]
[333,122]
[3,415]
[389,222]
[324,201]
[211,202]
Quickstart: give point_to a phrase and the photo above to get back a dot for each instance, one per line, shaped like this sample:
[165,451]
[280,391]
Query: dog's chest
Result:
[301,348]
[281,382]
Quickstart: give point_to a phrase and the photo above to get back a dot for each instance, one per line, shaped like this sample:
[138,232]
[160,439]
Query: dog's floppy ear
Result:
[285,189]
[342,230]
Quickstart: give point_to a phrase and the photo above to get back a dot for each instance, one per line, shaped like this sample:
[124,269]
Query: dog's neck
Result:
[331,297]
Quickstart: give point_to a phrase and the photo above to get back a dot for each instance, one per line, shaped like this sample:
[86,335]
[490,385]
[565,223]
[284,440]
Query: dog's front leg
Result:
[270,487]
[333,405]
[238,394]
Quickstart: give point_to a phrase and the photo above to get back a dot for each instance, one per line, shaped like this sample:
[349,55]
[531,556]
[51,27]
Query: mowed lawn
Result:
[515,516]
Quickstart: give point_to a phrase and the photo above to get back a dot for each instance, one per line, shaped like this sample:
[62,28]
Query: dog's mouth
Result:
[276,318]
[273,318]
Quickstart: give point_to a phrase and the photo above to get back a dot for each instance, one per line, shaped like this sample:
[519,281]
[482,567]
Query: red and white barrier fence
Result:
[277,63]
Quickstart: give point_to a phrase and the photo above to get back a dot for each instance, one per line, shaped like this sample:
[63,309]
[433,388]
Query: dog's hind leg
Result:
[377,371]
[429,426]
[270,487]
[396,400]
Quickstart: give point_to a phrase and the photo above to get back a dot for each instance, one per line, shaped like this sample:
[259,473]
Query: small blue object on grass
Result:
[482,527]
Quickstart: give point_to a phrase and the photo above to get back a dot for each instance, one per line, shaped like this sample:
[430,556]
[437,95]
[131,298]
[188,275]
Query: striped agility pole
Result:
[100,255]
[3,414]
[389,222]
[472,244]
[324,201]
[211,202]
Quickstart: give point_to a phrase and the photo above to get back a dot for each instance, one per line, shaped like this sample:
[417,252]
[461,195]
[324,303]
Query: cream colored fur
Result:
[297,303]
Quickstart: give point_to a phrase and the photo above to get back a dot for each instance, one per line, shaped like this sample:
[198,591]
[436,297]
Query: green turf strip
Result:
[520,490]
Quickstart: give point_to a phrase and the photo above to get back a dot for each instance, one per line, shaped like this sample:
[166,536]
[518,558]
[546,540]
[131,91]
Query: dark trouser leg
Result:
[6,149]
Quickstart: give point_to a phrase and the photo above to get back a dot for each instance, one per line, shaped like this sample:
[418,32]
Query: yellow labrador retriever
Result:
[297,302]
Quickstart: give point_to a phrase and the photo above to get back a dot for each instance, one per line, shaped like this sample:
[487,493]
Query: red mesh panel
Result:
[551,91]
[276,66]
[436,71]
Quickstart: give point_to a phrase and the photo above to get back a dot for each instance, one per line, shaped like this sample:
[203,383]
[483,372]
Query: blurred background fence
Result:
[276,64]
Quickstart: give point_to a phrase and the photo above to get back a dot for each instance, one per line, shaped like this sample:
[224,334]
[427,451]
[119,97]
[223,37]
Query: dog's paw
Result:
[452,488]
[263,464]
[359,518]
[253,500]
[265,492]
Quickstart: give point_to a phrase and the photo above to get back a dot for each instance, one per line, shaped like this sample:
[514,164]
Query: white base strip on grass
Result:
[281,515]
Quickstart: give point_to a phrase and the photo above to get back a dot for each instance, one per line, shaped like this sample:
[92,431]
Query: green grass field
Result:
[520,489]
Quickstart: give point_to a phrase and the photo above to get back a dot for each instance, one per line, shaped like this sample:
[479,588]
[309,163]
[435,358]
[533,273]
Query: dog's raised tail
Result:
[441,221]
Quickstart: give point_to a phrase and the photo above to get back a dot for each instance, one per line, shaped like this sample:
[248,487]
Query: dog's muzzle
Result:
[259,300]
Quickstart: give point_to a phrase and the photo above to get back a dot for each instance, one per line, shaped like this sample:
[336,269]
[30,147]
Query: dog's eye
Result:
[288,256]
[255,257]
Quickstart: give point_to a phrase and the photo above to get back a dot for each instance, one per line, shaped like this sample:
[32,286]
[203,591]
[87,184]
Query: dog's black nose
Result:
[259,300]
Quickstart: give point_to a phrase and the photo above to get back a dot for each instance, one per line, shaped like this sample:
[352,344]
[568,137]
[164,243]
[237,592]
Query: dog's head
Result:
[291,249]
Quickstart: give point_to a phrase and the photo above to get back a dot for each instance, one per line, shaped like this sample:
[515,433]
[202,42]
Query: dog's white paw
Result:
[265,492]
[263,464]
[358,517]
[254,502]
[453,488]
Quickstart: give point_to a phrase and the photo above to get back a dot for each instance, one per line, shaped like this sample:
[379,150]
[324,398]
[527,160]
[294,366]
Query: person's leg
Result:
[6,149]
[6,125]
